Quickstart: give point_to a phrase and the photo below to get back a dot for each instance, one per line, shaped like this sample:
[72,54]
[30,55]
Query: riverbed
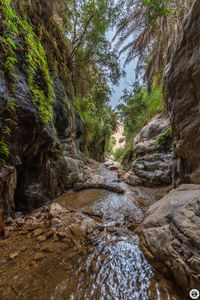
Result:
[83,246]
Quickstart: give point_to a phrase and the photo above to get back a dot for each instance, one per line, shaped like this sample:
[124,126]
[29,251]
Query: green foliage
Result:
[11,104]
[138,108]
[165,139]
[16,30]
[38,74]
[88,22]
[9,32]
[147,29]
[4,149]
[100,121]
[156,9]
[6,131]
[124,155]
[73,47]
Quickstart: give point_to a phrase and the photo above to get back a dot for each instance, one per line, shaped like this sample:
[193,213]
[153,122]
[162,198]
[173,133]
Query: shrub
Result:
[165,139]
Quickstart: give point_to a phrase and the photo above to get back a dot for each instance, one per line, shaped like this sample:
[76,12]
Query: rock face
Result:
[153,165]
[182,94]
[170,236]
[145,142]
[45,157]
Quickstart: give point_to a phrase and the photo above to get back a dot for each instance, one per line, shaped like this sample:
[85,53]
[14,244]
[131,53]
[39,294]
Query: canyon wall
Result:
[182,86]
[41,134]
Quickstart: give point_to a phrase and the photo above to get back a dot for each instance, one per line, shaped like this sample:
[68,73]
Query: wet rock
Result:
[8,183]
[170,234]
[38,170]
[104,186]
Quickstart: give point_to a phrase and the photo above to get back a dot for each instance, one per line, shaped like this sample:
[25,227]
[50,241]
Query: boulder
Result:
[154,160]
[151,170]
[170,236]
[145,141]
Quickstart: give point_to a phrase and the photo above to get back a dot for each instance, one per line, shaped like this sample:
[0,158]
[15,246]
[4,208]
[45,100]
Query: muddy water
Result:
[99,258]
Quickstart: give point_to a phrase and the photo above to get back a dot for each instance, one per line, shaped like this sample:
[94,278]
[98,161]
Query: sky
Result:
[124,82]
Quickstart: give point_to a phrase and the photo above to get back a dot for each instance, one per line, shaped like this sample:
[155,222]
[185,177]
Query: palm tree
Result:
[148,30]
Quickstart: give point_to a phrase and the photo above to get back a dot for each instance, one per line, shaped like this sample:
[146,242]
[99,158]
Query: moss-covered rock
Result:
[39,126]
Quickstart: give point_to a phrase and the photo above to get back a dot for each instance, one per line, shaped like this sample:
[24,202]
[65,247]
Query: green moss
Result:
[11,104]
[8,27]
[165,139]
[19,30]
[6,131]
[38,73]
[4,149]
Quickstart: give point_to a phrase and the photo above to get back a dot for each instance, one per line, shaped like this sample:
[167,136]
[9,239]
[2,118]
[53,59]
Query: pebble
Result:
[31,227]
[48,247]
[49,234]
[23,232]
[41,238]
[19,221]
[9,220]
[13,255]
[23,249]
[38,231]
[38,256]
[61,234]
[7,231]
[94,266]
[68,266]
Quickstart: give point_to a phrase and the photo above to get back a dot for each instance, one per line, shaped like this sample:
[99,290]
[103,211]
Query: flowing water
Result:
[109,266]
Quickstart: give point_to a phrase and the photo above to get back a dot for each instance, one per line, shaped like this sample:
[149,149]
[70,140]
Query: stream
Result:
[88,252]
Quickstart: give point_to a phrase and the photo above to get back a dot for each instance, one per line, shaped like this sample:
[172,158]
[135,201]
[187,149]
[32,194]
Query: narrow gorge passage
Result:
[83,247]
[99,149]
